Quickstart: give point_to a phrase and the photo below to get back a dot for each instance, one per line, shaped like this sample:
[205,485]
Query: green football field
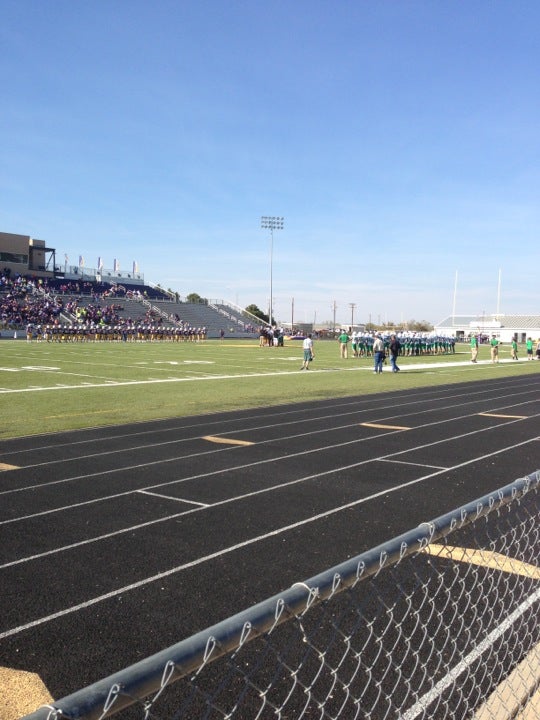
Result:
[48,387]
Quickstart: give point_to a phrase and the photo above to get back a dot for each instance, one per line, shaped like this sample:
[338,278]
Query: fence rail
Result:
[440,622]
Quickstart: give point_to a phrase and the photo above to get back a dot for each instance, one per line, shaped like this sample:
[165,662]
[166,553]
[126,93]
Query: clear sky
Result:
[399,140]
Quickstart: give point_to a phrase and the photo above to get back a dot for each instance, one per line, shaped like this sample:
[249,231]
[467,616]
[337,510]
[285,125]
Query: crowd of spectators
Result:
[25,301]
[21,303]
[40,301]
[95,313]
[96,290]
[40,304]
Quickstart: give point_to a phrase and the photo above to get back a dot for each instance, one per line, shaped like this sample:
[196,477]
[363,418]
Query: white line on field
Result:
[155,381]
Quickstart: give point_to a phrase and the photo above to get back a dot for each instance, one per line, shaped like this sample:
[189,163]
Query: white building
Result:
[504,327]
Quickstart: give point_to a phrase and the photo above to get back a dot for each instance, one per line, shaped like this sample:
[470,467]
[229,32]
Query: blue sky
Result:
[399,140]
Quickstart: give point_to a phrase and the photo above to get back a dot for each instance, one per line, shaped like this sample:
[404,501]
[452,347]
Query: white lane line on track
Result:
[422,705]
[405,462]
[261,492]
[235,468]
[171,497]
[237,546]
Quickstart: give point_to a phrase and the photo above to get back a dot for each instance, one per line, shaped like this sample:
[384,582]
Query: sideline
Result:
[156,381]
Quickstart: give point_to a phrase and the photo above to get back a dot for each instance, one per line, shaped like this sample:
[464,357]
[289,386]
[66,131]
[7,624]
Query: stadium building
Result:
[504,327]
[24,255]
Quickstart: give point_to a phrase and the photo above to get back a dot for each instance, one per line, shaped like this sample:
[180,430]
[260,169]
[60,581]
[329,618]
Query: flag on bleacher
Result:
[81,261]
[116,265]
[100,264]
[135,266]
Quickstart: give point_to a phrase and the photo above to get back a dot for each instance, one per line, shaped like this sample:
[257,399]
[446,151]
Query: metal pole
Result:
[271,275]
[271,223]
[352,306]
[454,303]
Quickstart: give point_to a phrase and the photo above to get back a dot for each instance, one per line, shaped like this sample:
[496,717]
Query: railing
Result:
[441,622]
[253,319]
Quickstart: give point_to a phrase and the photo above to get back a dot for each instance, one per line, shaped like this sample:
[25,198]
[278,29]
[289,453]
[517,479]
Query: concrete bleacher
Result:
[171,314]
[197,315]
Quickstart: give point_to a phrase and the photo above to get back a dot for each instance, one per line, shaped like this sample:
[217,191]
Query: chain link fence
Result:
[441,622]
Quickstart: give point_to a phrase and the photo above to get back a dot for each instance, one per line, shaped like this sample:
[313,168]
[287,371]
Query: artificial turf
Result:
[50,387]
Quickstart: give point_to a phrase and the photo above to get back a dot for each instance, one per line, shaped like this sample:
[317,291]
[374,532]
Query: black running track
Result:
[118,542]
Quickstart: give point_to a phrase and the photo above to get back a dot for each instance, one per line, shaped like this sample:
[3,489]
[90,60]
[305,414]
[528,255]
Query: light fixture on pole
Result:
[271,223]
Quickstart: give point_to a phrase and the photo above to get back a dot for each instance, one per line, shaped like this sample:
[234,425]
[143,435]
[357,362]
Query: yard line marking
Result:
[5,466]
[170,497]
[158,381]
[226,441]
[510,417]
[384,427]
[484,558]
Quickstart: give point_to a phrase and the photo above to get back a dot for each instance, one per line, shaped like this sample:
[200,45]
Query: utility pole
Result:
[352,306]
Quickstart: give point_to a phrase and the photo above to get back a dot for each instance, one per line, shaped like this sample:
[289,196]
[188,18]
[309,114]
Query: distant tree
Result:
[196,298]
[419,325]
[254,310]
[412,325]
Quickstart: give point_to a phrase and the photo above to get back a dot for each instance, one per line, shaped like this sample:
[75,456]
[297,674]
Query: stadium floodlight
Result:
[270,222]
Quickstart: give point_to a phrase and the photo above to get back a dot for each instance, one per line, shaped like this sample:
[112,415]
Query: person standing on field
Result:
[529,346]
[307,347]
[474,348]
[494,349]
[394,348]
[343,340]
[378,354]
[514,348]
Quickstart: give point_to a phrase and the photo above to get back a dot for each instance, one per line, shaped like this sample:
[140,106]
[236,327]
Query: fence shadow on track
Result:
[441,622]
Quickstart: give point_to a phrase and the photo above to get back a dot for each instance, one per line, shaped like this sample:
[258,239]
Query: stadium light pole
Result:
[270,222]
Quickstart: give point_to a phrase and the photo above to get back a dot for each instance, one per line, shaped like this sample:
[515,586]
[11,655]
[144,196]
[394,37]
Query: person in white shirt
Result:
[378,354]
[307,346]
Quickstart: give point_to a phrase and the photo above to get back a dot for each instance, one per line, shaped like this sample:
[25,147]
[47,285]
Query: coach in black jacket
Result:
[394,348]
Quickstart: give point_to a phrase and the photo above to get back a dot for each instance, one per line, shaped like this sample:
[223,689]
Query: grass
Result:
[49,387]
